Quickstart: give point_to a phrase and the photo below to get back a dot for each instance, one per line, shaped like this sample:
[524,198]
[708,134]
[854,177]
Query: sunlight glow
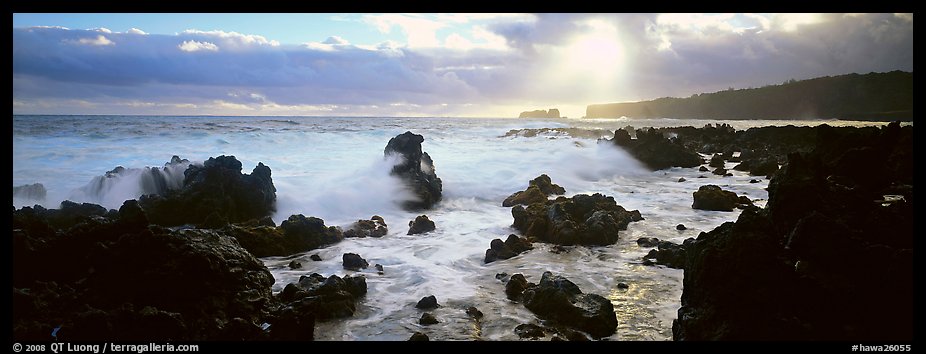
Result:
[596,57]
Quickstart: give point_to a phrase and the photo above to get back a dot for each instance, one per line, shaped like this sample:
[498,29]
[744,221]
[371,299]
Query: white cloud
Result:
[102,29]
[419,31]
[50,27]
[484,17]
[98,41]
[336,40]
[234,39]
[489,65]
[134,30]
[791,21]
[194,46]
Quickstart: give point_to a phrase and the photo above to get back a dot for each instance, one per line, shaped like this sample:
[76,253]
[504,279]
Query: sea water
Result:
[333,168]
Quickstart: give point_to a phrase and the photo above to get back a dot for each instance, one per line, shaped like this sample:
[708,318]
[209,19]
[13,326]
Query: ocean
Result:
[333,168]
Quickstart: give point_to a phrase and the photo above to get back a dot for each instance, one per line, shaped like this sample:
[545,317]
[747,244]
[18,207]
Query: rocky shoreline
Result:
[180,264]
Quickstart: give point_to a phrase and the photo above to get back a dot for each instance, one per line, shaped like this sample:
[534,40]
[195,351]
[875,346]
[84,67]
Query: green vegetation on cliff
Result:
[873,96]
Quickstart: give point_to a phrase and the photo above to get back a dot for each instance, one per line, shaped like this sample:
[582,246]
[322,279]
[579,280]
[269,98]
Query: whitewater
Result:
[333,168]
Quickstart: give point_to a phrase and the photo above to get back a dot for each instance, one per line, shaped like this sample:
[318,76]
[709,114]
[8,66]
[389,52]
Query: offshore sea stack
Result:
[416,169]
[829,258]
[217,187]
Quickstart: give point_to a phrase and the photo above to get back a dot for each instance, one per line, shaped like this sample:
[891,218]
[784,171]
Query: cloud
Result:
[194,46]
[481,64]
[420,31]
[98,41]
[336,40]
[134,30]
[230,39]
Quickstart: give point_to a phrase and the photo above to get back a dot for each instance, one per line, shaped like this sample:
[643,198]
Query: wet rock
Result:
[558,299]
[526,197]
[682,179]
[474,312]
[515,287]
[580,220]
[711,197]
[416,169]
[681,227]
[214,221]
[623,286]
[293,325]
[379,268]
[716,161]
[537,192]
[295,265]
[296,234]
[218,186]
[529,331]
[353,261]
[419,337]
[669,254]
[791,271]
[512,246]
[131,216]
[647,242]
[703,169]
[420,225]
[427,319]
[754,181]
[759,166]
[69,214]
[315,258]
[427,302]
[115,278]
[655,151]
[719,171]
[266,221]
[35,191]
[325,298]
[547,186]
[375,227]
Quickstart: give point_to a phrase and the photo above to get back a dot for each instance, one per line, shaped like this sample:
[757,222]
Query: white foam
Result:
[333,168]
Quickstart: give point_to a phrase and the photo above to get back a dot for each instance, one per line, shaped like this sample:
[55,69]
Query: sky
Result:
[473,65]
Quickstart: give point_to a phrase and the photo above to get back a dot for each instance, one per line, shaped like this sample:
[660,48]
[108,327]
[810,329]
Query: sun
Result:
[596,55]
[596,51]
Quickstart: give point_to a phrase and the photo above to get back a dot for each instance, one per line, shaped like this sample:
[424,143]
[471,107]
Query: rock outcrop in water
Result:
[322,298]
[420,225]
[512,246]
[711,197]
[146,180]
[557,299]
[537,192]
[35,191]
[797,270]
[669,254]
[416,170]
[375,227]
[580,220]
[217,187]
[656,151]
[540,113]
[294,235]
